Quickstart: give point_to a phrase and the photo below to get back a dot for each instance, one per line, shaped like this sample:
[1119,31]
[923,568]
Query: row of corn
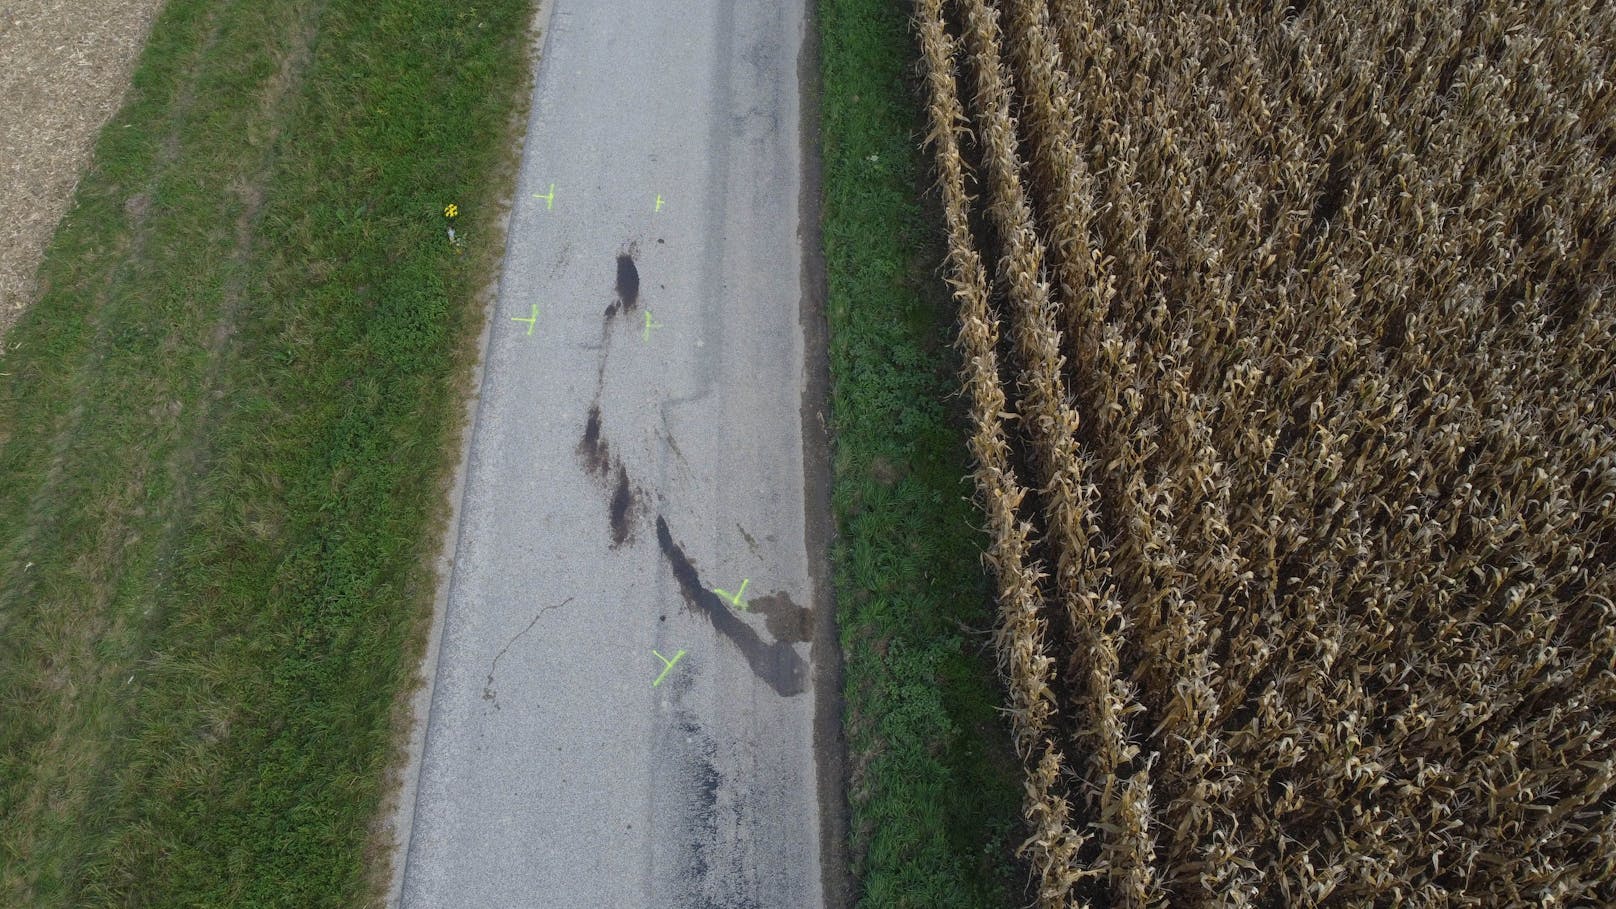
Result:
[1289,336]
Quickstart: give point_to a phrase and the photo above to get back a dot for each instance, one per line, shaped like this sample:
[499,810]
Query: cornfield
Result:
[1289,340]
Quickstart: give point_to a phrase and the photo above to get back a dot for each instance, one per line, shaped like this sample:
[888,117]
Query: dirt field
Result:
[64,67]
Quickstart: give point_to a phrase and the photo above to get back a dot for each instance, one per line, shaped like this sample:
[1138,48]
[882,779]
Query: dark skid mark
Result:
[594,450]
[777,663]
[785,620]
[628,281]
[624,501]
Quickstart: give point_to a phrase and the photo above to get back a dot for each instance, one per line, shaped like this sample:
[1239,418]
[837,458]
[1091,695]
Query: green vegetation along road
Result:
[227,425]
[933,788]
[224,429]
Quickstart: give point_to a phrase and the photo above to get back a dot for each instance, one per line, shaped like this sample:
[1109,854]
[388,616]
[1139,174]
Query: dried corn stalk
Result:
[1310,339]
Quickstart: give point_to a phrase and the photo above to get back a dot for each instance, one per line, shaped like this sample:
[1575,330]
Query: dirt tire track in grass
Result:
[132,243]
[53,677]
[187,461]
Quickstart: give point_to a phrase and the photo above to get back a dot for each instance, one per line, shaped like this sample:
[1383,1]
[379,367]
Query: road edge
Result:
[405,778]
[830,747]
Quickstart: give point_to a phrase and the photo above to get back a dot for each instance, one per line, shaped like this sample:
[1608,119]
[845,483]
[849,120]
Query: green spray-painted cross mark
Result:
[530,320]
[735,598]
[650,324]
[667,665]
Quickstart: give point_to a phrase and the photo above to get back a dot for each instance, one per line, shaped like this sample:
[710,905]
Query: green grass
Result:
[224,433]
[934,788]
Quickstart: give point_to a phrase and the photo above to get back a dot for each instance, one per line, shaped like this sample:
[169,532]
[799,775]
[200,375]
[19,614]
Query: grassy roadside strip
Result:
[224,431]
[934,787]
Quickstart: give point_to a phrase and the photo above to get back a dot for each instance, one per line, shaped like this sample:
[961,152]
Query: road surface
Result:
[633,703]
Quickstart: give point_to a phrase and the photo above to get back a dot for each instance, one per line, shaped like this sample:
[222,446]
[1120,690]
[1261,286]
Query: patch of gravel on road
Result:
[64,68]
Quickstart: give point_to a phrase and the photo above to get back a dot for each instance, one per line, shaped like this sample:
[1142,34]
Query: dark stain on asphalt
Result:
[628,280]
[777,663]
[624,504]
[612,309]
[785,620]
[593,449]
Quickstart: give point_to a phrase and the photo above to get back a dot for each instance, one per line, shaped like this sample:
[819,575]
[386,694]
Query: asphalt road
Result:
[633,700]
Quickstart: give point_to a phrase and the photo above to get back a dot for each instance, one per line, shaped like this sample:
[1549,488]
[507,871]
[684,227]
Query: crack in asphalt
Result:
[489,694]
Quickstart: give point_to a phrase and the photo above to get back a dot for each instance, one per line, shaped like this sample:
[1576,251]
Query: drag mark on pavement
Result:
[751,543]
